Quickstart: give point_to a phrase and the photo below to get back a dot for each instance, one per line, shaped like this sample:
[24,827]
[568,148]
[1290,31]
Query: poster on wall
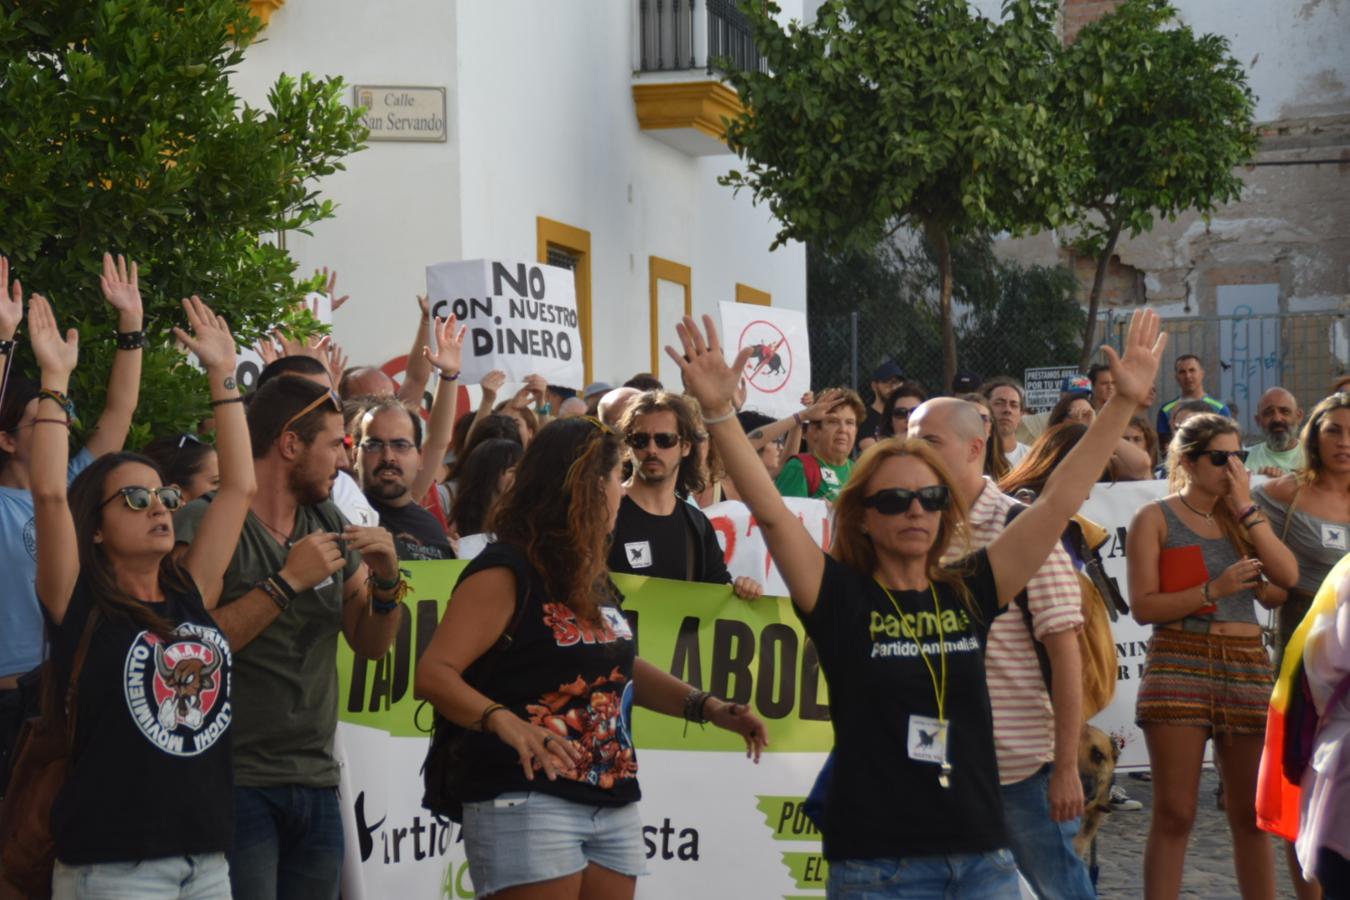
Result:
[521,318]
[779,370]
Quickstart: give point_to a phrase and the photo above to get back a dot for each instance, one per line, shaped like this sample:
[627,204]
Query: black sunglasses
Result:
[664,439]
[139,498]
[901,412]
[1220,457]
[894,501]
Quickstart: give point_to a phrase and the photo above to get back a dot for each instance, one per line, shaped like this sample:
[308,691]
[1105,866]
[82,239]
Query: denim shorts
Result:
[962,876]
[527,837]
[200,877]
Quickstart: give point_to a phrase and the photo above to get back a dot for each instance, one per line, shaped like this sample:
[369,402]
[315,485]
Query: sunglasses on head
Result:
[894,501]
[1220,457]
[329,396]
[664,439]
[139,498]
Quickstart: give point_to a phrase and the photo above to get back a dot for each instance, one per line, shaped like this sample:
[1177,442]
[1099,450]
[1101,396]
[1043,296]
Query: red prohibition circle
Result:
[783,342]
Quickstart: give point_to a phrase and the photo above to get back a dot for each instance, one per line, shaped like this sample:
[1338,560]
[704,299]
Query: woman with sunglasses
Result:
[913,807]
[550,807]
[1196,564]
[145,810]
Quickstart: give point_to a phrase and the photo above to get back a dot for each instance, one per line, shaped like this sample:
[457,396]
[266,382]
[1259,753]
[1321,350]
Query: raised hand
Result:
[336,362]
[11,303]
[121,288]
[316,345]
[55,356]
[210,337]
[330,288]
[536,385]
[1136,371]
[267,351]
[706,374]
[492,382]
[827,401]
[449,345]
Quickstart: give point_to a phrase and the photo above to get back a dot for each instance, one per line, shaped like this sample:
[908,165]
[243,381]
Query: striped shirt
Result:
[1024,727]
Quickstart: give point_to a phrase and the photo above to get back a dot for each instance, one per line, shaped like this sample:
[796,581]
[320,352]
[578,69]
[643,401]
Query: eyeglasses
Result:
[901,412]
[664,439]
[1220,457]
[329,395]
[398,445]
[139,498]
[894,501]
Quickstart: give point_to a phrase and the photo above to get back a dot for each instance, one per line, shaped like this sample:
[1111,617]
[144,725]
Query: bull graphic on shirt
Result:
[186,679]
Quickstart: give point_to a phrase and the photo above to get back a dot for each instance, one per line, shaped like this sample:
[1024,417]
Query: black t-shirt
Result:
[869,426]
[151,773]
[565,674]
[417,533]
[881,802]
[645,544]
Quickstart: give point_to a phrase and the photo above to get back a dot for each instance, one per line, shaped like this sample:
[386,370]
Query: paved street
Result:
[1209,859]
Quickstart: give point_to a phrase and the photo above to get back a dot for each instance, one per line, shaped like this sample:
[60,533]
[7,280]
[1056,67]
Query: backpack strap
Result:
[1024,604]
[76,667]
[811,468]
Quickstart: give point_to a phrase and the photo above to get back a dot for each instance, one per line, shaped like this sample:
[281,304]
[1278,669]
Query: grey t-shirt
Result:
[285,680]
[1317,543]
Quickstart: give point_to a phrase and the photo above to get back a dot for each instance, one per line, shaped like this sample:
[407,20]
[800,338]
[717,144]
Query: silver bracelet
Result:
[720,419]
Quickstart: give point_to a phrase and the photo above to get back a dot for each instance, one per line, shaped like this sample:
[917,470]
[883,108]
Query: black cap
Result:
[888,370]
[965,382]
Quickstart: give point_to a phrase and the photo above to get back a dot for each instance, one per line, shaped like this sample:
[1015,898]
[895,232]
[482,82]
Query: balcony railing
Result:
[682,35]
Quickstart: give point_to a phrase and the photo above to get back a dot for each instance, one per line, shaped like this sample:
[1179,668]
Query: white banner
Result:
[743,543]
[521,316]
[779,372]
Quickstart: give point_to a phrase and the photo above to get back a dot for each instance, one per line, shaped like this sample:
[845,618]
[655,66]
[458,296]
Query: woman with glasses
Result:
[146,806]
[535,663]
[1198,559]
[912,805]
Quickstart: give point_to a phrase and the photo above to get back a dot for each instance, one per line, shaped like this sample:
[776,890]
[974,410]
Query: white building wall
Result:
[541,123]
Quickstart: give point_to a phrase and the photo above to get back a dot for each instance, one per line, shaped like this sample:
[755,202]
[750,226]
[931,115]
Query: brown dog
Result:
[1097,755]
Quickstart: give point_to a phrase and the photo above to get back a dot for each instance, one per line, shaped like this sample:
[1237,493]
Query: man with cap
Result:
[966,383]
[592,393]
[885,379]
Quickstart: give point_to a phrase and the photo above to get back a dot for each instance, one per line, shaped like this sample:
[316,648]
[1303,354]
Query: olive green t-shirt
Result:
[285,691]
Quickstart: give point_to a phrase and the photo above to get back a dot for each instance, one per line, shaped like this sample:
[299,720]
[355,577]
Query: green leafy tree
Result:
[120,131]
[906,113]
[1164,117]
[1013,317]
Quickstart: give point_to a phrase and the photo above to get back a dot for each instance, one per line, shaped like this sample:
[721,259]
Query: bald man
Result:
[1036,741]
[615,403]
[1278,416]
[366,381]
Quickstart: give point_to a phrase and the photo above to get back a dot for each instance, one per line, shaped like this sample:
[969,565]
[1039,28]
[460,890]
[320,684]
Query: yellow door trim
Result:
[576,241]
[665,270]
[746,294]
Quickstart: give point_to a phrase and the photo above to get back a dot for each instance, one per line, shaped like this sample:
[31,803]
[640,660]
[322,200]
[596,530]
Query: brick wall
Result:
[1078,13]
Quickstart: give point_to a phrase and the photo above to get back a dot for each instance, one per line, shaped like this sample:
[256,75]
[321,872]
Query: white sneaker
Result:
[1121,801]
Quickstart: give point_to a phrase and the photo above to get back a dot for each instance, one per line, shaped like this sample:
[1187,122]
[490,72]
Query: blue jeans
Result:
[287,844]
[1043,847]
[201,877]
[962,876]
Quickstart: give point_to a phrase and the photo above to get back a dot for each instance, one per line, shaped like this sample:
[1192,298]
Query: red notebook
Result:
[1180,568]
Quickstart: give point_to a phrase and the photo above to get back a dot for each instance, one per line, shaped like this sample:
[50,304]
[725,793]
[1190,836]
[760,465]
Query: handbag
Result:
[41,760]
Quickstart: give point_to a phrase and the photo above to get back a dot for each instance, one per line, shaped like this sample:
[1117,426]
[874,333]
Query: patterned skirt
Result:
[1216,681]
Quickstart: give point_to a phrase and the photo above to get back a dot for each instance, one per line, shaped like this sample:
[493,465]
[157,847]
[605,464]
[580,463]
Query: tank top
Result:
[1317,543]
[1218,554]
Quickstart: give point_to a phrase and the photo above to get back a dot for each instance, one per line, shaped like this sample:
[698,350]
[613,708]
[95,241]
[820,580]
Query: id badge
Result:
[927,739]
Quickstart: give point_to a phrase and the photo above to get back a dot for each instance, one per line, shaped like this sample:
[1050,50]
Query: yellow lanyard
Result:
[939,687]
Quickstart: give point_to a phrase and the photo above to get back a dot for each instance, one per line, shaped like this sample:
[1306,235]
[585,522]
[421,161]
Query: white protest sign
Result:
[521,318]
[779,370]
[743,543]
[1042,386]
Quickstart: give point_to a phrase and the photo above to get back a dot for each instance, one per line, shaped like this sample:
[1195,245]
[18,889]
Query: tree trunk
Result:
[937,236]
[1094,298]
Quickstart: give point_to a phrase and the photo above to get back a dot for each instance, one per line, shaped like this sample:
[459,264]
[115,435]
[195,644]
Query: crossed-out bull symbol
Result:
[759,353]
[187,678]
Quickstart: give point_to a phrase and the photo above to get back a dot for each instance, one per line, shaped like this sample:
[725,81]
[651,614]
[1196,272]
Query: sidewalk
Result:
[1209,858]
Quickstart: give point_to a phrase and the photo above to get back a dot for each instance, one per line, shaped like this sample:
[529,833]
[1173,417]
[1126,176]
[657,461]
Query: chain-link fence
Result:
[1243,356]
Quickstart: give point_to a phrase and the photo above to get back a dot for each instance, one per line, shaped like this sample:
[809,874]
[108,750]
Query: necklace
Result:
[1207,516]
[278,535]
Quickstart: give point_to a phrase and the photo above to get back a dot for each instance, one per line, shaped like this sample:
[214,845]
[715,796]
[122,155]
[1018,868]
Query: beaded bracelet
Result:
[60,399]
[445,377]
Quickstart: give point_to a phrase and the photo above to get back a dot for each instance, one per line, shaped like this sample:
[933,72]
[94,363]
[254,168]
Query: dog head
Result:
[1097,755]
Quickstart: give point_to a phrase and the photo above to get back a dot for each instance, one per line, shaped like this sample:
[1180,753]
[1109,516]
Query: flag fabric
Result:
[1277,798]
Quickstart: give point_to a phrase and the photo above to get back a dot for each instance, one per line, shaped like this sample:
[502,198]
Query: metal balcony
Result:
[688,35]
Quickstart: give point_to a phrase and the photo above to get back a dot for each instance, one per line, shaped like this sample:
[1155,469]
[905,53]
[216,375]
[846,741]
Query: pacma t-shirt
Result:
[882,801]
